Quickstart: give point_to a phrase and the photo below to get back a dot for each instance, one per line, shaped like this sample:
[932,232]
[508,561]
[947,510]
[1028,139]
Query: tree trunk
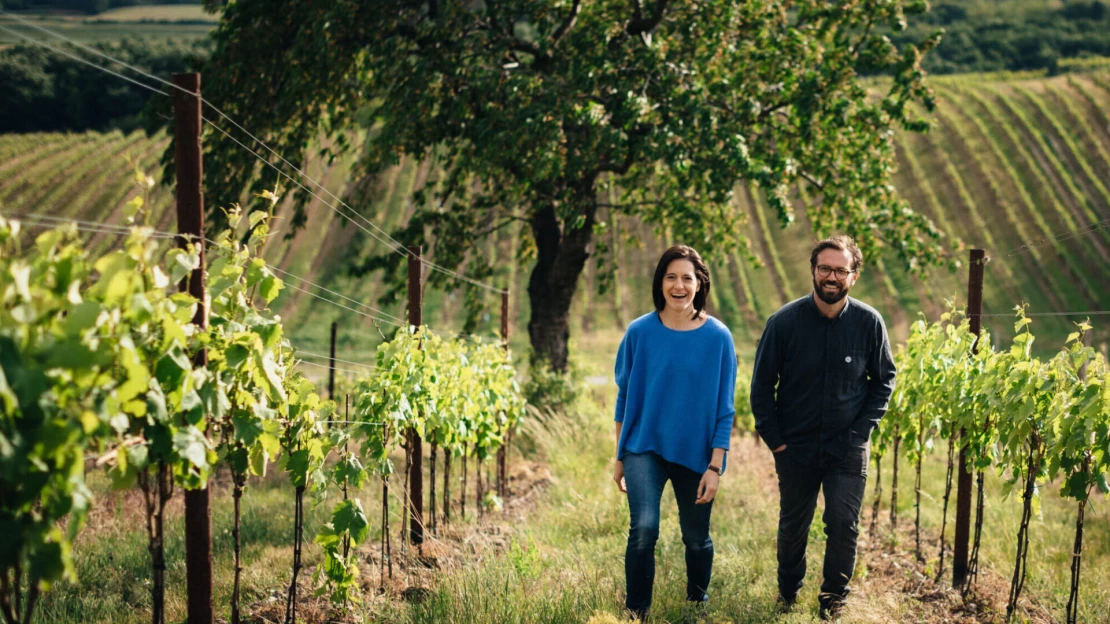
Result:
[561,257]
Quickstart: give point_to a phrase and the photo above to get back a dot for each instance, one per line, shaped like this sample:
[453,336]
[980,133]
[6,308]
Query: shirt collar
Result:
[844,312]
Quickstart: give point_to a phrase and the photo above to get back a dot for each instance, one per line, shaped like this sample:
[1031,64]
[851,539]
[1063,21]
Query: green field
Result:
[158,13]
[148,22]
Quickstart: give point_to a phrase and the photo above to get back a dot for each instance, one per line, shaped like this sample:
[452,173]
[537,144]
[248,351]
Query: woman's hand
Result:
[618,476]
[707,489]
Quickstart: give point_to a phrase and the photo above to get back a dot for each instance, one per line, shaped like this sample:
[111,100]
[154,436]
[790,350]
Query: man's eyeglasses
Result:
[841,274]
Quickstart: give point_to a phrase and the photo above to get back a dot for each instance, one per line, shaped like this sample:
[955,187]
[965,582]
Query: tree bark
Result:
[561,257]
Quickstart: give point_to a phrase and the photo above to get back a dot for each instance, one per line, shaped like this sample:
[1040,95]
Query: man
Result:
[822,379]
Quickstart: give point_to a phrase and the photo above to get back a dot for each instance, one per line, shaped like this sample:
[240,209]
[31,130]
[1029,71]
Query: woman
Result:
[676,373]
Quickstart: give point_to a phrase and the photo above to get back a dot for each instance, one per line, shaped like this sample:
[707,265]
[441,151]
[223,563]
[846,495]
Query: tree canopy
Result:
[533,108]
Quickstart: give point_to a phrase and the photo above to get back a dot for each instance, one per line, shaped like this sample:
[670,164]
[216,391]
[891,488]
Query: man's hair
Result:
[701,272]
[840,242]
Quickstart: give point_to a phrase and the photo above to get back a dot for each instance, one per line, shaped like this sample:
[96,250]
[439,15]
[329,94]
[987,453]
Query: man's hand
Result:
[707,489]
[779,449]
[618,476]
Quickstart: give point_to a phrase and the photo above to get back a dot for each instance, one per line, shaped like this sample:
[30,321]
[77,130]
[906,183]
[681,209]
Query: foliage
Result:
[1030,420]
[535,109]
[99,357]
[46,91]
[1007,36]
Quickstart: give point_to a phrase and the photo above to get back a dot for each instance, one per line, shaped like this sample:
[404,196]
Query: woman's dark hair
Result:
[701,272]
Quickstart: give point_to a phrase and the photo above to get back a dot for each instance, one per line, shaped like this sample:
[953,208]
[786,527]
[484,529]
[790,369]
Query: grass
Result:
[561,562]
[569,563]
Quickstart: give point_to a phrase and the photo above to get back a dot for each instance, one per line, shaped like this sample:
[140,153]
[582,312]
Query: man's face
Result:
[829,286]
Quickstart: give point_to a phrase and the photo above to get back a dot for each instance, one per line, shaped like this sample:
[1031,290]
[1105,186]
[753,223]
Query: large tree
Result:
[532,108]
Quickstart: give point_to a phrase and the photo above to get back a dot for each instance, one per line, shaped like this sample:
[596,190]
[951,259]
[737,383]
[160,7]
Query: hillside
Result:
[1009,162]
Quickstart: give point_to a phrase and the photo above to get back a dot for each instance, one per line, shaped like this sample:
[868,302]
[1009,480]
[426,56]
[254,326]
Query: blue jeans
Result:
[645,474]
[802,475]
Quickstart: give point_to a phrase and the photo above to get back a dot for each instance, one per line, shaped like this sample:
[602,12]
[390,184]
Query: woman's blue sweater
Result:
[676,391]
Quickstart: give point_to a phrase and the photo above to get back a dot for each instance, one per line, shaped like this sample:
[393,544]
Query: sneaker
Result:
[638,615]
[785,605]
[831,607]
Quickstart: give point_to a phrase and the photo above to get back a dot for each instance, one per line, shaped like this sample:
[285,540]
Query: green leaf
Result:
[247,428]
[259,458]
[270,287]
[349,517]
[21,279]
[81,317]
[327,538]
[51,562]
[296,464]
[172,368]
[191,444]
[236,354]
[132,207]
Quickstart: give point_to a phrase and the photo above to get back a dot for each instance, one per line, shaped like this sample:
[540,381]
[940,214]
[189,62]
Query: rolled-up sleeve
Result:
[765,378]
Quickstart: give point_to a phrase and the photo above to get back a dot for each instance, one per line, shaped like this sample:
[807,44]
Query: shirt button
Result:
[848,359]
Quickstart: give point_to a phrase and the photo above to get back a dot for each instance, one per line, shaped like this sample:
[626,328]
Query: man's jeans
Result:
[645,475]
[801,477]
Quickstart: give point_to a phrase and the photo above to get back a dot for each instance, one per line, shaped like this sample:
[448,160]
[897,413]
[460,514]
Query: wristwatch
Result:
[715,469]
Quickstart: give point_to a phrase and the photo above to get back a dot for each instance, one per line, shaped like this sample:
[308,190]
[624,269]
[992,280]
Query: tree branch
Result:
[567,24]
[493,228]
[629,205]
[639,24]
[863,39]
[764,113]
[812,180]
[542,59]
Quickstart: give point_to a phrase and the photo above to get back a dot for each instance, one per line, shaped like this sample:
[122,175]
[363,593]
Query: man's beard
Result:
[827,297]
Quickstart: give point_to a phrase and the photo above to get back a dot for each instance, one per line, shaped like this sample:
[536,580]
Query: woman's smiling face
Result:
[679,286]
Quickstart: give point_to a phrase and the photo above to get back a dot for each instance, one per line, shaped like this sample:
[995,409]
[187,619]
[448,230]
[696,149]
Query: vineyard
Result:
[104,364]
[1032,422]
[148,369]
[1008,163]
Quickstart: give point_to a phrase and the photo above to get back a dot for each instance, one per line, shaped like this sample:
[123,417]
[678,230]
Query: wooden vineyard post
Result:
[503,451]
[416,466]
[331,362]
[190,224]
[963,475]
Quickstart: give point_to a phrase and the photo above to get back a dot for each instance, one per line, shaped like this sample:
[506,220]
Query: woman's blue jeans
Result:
[645,474]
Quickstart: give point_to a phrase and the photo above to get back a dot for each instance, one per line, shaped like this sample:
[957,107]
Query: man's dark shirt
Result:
[834,378]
